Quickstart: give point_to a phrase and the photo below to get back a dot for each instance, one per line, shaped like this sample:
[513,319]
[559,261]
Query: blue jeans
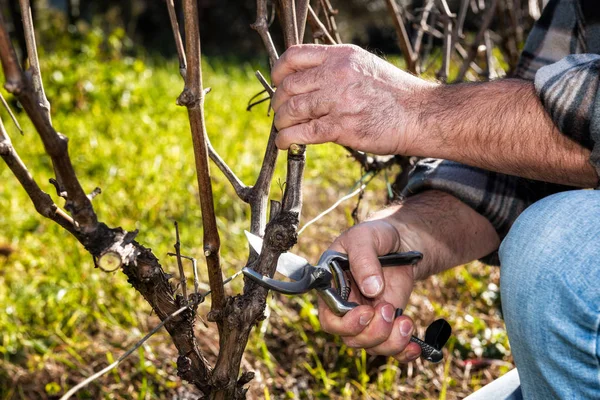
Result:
[550,286]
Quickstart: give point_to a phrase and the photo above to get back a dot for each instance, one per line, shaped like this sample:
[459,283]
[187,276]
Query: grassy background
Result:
[61,319]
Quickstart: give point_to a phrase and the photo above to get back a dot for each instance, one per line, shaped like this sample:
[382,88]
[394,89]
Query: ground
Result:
[61,319]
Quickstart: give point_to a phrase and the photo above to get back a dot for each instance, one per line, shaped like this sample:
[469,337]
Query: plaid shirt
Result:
[561,56]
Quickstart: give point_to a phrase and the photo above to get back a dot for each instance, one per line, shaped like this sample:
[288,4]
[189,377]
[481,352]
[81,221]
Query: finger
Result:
[296,83]
[351,324]
[363,243]
[298,58]
[398,340]
[410,353]
[315,131]
[378,330]
[302,108]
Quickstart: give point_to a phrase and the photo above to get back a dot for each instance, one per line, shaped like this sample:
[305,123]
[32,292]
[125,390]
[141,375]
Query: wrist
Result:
[417,130]
[409,236]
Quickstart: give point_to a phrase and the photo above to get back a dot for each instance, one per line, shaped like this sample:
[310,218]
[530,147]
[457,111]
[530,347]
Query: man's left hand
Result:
[346,95]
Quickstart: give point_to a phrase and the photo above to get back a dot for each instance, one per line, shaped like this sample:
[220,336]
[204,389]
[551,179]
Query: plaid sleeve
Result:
[499,198]
[569,90]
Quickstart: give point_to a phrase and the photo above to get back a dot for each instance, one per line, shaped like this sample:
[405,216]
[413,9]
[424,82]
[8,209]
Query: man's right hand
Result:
[444,229]
[378,291]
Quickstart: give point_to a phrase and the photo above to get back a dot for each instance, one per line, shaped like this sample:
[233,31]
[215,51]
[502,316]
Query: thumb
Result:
[364,243]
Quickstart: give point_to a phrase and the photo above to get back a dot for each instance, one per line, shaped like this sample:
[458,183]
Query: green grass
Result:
[61,319]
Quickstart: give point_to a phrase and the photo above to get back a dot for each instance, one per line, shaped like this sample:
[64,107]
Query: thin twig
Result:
[182,278]
[34,63]
[41,200]
[422,26]
[330,209]
[251,105]
[261,26]
[318,26]
[485,23]
[242,191]
[194,269]
[12,116]
[226,281]
[177,37]
[403,40]
[330,18]
[265,84]
[301,14]
[98,374]
[462,15]
[448,45]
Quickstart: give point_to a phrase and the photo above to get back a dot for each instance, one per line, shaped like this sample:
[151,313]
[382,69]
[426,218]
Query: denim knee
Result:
[550,277]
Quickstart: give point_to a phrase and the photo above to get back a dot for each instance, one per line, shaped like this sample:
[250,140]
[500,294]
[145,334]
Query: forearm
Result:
[444,229]
[499,126]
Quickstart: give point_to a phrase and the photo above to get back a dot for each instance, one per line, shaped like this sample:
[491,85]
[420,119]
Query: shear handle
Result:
[428,351]
[432,352]
[389,260]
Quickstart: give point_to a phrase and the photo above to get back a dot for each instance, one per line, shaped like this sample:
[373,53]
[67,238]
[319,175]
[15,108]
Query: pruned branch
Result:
[242,191]
[41,200]
[55,144]
[193,98]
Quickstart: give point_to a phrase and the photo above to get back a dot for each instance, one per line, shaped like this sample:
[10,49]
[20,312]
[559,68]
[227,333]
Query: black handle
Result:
[406,258]
[428,352]
[389,260]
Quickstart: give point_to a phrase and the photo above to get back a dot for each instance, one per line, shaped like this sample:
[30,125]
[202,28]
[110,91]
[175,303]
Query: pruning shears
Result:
[329,278]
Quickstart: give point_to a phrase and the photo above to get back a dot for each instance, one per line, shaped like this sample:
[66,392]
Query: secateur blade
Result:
[313,278]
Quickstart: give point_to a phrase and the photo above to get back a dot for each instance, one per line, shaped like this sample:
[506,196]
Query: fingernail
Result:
[405,327]
[365,318]
[398,313]
[372,285]
[387,312]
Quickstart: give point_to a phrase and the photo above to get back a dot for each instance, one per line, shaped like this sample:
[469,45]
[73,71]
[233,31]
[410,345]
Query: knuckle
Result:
[287,84]
[293,106]
[379,336]
[327,327]
[350,342]
[326,324]
[314,106]
[316,128]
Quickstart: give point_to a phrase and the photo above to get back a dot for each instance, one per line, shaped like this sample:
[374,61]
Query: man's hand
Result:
[444,229]
[346,95]
[372,325]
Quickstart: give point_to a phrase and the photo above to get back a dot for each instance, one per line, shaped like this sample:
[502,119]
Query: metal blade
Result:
[289,264]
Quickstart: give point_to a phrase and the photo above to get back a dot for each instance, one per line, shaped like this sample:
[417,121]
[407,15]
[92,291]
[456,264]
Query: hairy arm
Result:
[500,126]
[346,95]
